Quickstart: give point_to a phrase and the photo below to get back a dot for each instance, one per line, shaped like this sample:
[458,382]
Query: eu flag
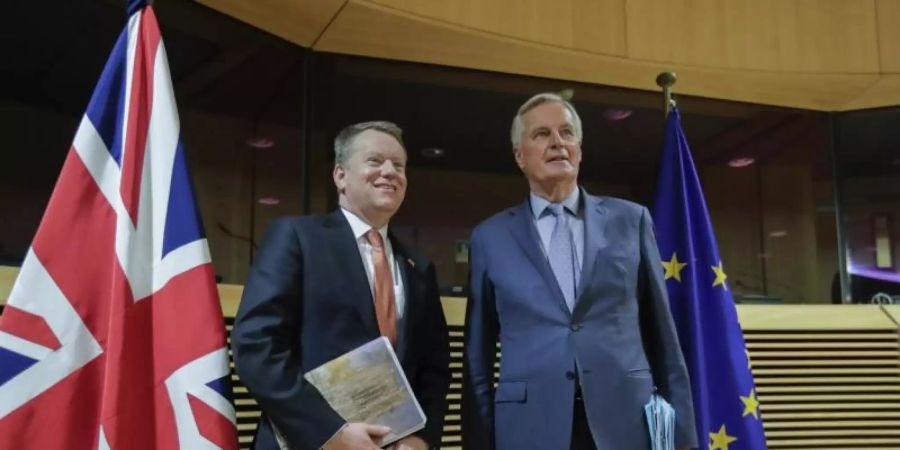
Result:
[725,402]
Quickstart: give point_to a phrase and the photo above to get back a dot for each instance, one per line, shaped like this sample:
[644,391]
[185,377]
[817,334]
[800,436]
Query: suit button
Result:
[575,327]
[570,375]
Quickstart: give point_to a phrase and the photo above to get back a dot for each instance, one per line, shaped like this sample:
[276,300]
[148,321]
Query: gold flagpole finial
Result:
[666,80]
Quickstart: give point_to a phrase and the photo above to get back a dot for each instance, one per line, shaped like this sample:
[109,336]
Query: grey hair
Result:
[343,143]
[518,127]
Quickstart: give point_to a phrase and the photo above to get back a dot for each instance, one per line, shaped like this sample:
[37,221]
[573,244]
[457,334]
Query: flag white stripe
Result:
[103,444]
[23,347]
[99,163]
[162,142]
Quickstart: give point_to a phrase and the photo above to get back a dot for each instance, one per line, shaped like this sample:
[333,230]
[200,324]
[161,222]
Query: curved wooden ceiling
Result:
[828,55]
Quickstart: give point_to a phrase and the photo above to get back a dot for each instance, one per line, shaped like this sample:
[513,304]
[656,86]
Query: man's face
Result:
[549,150]
[373,179]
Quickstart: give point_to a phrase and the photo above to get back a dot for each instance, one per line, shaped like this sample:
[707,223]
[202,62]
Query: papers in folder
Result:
[368,385]
[660,423]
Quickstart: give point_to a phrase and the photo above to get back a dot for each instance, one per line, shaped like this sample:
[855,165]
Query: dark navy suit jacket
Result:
[618,342]
[307,301]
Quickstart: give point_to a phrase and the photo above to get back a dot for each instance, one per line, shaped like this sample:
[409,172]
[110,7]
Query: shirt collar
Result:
[360,228]
[539,204]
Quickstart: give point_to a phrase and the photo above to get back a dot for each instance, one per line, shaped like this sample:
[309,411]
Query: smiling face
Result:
[549,151]
[372,182]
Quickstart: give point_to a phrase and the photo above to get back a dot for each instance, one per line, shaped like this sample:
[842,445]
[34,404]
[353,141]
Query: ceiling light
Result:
[432,152]
[261,142]
[269,201]
[616,114]
[742,161]
[778,233]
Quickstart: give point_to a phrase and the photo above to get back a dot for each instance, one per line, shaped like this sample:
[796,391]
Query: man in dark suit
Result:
[571,285]
[324,285]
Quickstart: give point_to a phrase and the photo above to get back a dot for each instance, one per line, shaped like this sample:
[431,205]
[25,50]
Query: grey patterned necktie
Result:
[561,253]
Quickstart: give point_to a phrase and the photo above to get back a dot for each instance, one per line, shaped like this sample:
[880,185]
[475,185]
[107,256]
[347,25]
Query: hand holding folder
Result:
[367,385]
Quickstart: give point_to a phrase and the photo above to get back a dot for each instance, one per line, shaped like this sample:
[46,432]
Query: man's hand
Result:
[357,436]
[409,443]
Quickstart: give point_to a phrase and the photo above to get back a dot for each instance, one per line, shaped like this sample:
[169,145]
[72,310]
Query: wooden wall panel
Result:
[789,230]
[888,12]
[220,168]
[592,25]
[894,312]
[7,278]
[297,21]
[816,54]
[813,317]
[884,92]
[403,36]
[813,36]
[735,216]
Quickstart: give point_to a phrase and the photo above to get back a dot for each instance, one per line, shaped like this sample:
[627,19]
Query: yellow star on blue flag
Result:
[673,268]
[720,440]
[720,276]
[751,404]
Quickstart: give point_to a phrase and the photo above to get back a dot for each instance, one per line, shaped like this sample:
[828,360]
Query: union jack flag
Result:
[112,336]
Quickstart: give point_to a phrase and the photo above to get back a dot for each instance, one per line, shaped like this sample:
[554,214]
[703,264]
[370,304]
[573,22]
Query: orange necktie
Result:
[385,308]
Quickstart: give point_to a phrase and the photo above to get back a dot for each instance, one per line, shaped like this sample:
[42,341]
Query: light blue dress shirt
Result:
[544,221]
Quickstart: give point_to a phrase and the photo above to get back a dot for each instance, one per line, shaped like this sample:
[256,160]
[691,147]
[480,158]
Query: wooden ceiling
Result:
[827,55]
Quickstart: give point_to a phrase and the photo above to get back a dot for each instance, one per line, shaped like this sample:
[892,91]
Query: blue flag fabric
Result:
[725,401]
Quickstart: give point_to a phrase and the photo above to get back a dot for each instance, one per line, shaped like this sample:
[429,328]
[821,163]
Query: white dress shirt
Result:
[365,252]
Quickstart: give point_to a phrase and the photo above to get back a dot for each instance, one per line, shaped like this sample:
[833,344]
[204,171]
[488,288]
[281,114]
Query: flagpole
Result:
[666,80]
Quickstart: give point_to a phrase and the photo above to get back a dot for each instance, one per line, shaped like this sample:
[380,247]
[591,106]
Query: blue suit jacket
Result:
[307,301]
[618,342]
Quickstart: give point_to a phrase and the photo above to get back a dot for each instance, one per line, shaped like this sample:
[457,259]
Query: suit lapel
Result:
[403,262]
[412,291]
[346,252]
[526,235]
[410,287]
[594,239]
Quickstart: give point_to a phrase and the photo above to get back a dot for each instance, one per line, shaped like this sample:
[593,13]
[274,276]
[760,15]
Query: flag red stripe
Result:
[75,243]
[139,110]
[213,425]
[28,326]
[186,300]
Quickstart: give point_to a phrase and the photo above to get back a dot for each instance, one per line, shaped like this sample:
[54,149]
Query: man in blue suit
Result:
[324,285]
[571,286]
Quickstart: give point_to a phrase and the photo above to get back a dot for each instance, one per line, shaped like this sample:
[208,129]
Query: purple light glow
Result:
[877,274]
